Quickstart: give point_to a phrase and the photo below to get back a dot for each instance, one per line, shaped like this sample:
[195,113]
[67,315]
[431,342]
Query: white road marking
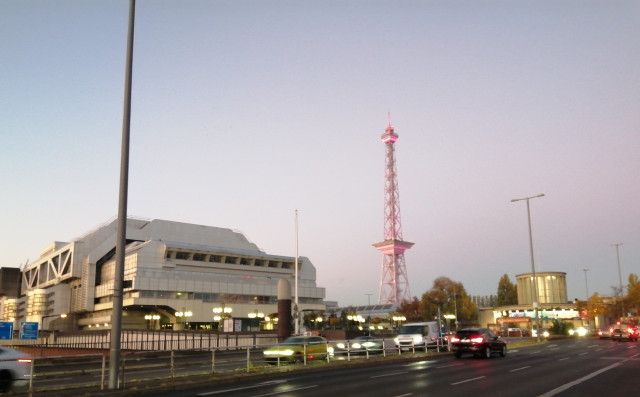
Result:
[566,386]
[520,369]
[262,384]
[392,374]
[286,391]
[467,380]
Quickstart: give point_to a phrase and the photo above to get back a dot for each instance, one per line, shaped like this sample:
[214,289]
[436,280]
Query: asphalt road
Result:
[583,367]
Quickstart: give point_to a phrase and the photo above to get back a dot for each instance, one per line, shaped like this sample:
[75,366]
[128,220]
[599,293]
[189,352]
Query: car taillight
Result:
[477,340]
[455,339]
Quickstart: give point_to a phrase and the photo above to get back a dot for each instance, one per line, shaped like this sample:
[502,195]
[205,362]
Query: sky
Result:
[244,111]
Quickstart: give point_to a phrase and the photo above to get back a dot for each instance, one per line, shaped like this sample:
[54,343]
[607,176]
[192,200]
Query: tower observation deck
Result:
[394,283]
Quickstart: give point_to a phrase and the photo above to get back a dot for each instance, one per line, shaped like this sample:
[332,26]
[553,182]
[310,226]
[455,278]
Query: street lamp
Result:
[184,317]
[152,318]
[62,315]
[398,320]
[586,283]
[617,245]
[221,313]
[534,293]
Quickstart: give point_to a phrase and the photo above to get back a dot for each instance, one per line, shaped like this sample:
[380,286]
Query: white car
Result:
[15,369]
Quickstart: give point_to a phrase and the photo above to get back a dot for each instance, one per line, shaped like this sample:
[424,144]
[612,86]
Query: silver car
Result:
[15,368]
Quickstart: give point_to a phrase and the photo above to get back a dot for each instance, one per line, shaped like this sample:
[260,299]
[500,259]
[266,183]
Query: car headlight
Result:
[417,340]
[396,340]
[356,345]
[340,345]
[545,334]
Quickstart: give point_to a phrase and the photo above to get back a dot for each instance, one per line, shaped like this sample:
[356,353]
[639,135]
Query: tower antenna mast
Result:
[394,283]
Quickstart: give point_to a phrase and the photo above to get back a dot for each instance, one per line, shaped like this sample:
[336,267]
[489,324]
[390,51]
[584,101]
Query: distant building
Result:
[176,274]
[10,278]
[552,303]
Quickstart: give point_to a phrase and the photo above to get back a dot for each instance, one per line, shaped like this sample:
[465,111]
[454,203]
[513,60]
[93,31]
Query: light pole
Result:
[152,318]
[62,315]
[183,316]
[256,315]
[617,245]
[398,320]
[220,314]
[586,283]
[534,293]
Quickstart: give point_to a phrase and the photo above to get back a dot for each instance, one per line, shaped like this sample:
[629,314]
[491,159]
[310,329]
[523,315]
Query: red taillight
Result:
[455,339]
[478,339]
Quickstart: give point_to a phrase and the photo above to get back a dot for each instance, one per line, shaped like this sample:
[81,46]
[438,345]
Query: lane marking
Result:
[285,391]
[450,365]
[582,354]
[520,369]
[467,380]
[262,384]
[578,381]
[392,374]
[564,358]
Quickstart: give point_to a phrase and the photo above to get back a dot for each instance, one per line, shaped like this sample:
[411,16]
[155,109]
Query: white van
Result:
[419,336]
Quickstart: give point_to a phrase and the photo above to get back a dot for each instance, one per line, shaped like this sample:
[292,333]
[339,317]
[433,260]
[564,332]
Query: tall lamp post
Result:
[62,315]
[534,293]
[586,283]
[617,245]
[220,314]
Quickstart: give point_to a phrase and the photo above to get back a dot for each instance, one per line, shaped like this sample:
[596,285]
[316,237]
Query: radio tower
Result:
[394,284]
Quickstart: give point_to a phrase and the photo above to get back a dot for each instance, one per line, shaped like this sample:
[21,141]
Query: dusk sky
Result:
[245,111]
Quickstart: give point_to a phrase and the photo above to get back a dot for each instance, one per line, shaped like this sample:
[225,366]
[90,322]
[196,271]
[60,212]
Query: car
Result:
[297,349]
[481,342]
[544,334]
[15,369]
[579,331]
[360,345]
[624,331]
[605,333]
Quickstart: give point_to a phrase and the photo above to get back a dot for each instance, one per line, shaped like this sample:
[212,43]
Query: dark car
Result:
[624,331]
[481,342]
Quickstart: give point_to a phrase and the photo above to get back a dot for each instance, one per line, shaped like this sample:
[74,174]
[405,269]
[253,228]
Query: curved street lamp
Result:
[534,292]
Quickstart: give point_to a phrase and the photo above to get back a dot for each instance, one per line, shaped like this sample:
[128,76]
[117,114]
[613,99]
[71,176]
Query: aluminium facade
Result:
[178,274]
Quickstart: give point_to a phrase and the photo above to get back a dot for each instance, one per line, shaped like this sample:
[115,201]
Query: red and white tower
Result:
[394,283]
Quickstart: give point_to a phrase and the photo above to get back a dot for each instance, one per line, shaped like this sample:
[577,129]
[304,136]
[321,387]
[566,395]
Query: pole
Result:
[118,279]
[534,294]
[586,283]
[535,279]
[617,245]
[296,319]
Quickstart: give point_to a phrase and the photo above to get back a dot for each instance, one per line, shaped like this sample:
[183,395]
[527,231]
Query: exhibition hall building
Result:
[177,276]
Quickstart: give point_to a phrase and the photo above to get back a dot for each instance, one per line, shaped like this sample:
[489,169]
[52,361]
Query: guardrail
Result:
[91,370]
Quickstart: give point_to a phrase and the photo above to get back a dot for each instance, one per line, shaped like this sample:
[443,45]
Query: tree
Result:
[451,298]
[507,292]
[632,301]
[410,309]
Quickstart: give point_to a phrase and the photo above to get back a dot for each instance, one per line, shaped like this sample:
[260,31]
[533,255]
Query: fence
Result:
[143,340]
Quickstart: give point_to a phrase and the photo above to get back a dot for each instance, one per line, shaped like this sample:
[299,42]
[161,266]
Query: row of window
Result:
[228,259]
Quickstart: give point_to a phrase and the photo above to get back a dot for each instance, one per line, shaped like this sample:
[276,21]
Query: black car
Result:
[481,342]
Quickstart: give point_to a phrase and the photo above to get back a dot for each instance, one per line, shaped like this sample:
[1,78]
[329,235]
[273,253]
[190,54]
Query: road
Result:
[582,367]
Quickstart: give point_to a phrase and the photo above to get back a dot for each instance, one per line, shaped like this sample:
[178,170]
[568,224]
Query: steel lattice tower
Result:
[394,283]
